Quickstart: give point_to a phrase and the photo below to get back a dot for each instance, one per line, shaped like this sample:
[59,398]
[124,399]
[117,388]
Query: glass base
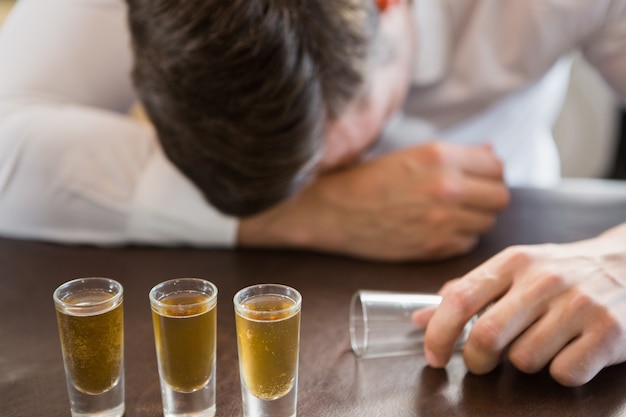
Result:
[209,412]
[284,406]
[107,404]
[113,412]
[200,403]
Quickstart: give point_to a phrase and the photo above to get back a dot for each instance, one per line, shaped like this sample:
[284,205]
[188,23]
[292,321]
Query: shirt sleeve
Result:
[606,47]
[74,168]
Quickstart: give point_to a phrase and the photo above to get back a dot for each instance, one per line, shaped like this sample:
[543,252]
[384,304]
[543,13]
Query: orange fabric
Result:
[383,4]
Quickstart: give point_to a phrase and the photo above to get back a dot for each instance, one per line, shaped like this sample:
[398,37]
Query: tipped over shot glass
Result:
[381,323]
[268,339]
[184,316]
[90,320]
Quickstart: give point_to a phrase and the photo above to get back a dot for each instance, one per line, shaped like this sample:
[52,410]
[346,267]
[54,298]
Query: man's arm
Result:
[73,167]
[426,202]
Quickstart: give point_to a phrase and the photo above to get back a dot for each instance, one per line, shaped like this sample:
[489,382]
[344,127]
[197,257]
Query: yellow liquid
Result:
[185,340]
[93,345]
[268,349]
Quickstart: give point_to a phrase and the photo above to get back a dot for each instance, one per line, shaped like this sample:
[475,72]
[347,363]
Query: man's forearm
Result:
[80,175]
[412,204]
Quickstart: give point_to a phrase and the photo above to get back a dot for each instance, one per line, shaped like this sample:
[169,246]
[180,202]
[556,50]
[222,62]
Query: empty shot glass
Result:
[268,337]
[184,315]
[90,320]
[381,323]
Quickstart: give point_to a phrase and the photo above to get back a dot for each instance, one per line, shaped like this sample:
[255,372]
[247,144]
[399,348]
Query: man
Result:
[286,113]
[116,186]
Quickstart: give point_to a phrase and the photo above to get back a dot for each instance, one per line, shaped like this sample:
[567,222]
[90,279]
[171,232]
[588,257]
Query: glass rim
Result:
[257,289]
[156,302]
[359,334]
[113,284]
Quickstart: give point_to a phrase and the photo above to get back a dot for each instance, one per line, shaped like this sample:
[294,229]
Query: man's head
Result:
[242,92]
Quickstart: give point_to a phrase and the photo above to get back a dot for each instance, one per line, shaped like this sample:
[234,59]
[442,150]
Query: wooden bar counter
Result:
[333,382]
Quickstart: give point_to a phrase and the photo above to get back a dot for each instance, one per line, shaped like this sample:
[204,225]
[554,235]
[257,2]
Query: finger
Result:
[448,285]
[470,221]
[456,187]
[484,194]
[452,230]
[538,345]
[580,361]
[461,301]
[468,296]
[477,160]
[447,245]
[601,343]
[565,319]
[422,316]
[525,313]
[489,337]
[460,174]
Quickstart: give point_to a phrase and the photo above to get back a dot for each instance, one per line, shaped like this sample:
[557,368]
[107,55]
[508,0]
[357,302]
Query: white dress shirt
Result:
[75,168]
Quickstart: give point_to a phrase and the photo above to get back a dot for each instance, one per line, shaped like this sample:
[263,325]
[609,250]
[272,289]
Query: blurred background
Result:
[590,133]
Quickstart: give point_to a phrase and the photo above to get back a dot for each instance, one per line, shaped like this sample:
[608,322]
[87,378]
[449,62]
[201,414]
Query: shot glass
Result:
[90,319]
[184,315]
[268,337]
[381,324]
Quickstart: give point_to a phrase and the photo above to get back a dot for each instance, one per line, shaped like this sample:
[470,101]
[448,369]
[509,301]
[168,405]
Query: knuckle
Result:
[487,335]
[459,299]
[449,286]
[443,247]
[439,219]
[553,280]
[434,153]
[547,283]
[444,187]
[519,255]
[609,330]
[580,302]
[525,360]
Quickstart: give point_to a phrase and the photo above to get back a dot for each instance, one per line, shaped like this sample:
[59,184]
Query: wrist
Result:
[281,226]
[617,234]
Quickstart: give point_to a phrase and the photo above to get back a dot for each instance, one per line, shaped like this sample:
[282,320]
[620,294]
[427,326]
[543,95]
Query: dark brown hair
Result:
[240,91]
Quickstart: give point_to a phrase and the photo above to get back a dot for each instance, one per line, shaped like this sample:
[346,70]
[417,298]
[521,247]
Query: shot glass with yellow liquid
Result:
[268,337]
[184,315]
[91,328]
